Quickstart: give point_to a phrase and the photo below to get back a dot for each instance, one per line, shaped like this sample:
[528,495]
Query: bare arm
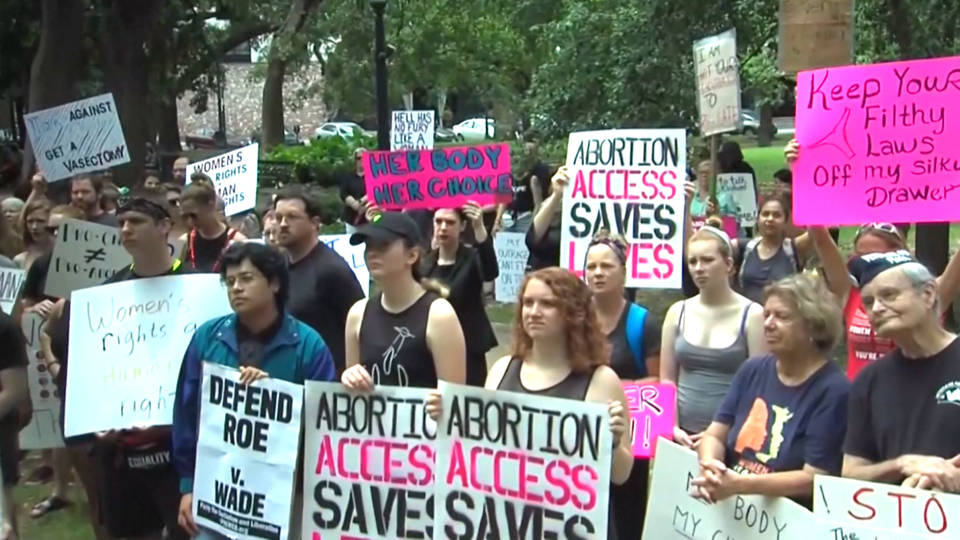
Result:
[352,333]
[834,267]
[756,344]
[536,192]
[604,388]
[712,445]
[778,484]
[445,340]
[668,363]
[948,284]
[495,375]
[13,388]
[550,206]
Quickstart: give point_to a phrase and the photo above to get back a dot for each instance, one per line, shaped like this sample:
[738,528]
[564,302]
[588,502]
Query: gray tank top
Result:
[705,375]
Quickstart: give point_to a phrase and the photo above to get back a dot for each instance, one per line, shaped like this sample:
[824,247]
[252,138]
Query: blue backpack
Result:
[636,318]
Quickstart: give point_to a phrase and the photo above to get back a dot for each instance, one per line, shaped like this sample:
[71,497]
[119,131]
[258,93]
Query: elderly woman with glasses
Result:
[863,344]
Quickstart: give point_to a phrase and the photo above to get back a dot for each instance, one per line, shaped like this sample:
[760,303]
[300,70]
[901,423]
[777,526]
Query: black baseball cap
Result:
[866,267]
[387,227]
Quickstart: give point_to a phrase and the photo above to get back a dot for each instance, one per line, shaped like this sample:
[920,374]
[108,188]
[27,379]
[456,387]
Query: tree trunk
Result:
[282,48]
[127,26]
[56,68]
[765,131]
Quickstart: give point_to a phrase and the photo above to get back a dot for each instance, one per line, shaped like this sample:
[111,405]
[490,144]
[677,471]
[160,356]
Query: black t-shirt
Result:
[203,254]
[322,291]
[621,357]
[904,406]
[14,348]
[36,280]
[544,252]
[393,346]
[105,219]
[522,190]
[351,185]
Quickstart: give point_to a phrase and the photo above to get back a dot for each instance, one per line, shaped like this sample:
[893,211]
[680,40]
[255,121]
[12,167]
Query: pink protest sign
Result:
[441,178]
[653,413]
[878,143]
[729,225]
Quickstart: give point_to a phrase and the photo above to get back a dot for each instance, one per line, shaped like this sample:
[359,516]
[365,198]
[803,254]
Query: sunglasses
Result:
[888,228]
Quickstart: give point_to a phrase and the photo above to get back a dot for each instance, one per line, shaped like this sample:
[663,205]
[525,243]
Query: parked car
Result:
[474,129]
[346,130]
[446,135]
[203,138]
[750,123]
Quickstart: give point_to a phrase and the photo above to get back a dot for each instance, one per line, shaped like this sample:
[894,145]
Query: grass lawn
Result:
[70,523]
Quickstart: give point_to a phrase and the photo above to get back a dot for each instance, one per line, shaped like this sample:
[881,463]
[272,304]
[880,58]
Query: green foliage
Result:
[323,160]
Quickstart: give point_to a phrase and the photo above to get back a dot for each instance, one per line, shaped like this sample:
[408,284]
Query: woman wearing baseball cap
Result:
[407,334]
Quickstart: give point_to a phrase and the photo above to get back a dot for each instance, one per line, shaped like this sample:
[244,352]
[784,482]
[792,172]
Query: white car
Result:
[473,129]
[346,130]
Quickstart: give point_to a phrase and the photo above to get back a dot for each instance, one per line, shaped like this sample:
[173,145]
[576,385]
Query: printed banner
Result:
[43,431]
[353,255]
[234,174]
[815,34]
[629,182]
[368,467]
[513,465]
[673,514]
[718,83]
[878,144]
[741,197]
[412,130]
[11,280]
[856,509]
[127,340]
[79,137]
[443,178]
[512,255]
[653,413]
[247,450]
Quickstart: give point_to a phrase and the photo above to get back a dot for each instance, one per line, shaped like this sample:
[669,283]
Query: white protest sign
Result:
[247,448]
[368,463]
[412,130]
[234,174]
[718,83]
[78,137]
[127,341]
[673,514]
[43,431]
[741,195]
[512,465]
[853,508]
[87,254]
[512,254]
[629,182]
[353,255]
[11,279]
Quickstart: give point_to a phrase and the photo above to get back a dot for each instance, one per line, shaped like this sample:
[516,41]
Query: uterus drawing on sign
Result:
[837,137]
[389,358]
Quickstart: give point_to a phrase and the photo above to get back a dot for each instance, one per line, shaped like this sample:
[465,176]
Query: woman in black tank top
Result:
[406,335]
[559,351]
[208,237]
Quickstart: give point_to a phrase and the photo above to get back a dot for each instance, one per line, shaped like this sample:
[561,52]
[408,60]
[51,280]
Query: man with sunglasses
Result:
[904,411]
[322,286]
[135,484]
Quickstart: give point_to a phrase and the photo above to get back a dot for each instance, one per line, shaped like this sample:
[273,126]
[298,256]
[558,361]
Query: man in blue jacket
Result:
[259,338]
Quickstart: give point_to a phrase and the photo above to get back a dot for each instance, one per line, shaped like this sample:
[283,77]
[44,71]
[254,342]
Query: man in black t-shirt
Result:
[13,394]
[904,409]
[322,286]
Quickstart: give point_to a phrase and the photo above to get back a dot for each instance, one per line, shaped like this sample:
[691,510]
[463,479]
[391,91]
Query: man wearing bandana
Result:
[260,338]
[904,409]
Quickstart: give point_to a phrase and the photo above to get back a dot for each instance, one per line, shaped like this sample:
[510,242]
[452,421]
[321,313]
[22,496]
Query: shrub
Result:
[322,160]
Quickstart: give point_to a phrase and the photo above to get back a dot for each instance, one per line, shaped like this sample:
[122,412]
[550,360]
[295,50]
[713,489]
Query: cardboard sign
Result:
[412,130]
[127,341]
[629,182]
[673,514]
[653,413]
[741,195]
[512,255]
[11,280]
[43,431]
[368,468]
[442,178]
[815,34]
[78,137]
[353,255]
[878,144]
[87,254]
[883,511]
[234,174]
[247,448]
[512,465]
[718,83]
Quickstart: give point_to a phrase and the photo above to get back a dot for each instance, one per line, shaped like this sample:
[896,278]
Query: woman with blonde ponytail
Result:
[407,334]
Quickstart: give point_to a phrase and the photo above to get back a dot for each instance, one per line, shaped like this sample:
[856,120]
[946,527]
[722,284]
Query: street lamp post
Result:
[383,113]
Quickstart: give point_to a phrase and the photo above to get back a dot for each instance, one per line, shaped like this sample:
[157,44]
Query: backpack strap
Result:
[790,249]
[636,318]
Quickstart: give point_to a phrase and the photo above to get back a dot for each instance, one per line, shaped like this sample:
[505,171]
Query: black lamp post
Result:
[383,112]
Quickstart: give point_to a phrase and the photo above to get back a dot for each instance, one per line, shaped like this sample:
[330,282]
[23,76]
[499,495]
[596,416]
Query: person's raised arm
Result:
[835,271]
[948,284]
[445,340]
[551,205]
